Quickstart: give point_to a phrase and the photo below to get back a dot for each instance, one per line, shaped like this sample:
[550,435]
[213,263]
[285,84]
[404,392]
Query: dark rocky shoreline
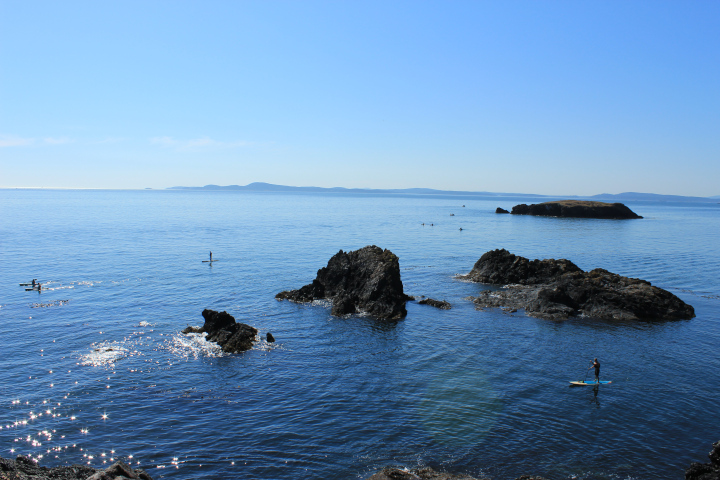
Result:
[575,209]
[22,468]
[558,289]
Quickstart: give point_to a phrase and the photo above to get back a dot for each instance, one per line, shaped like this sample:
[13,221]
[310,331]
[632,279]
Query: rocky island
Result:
[365,280]
[576,209]
[558,289]
[221,328]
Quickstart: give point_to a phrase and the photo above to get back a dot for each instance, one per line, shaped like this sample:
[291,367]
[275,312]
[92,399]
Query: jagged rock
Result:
[270,338]
[706,471]
[365,280]
[222,329]
[559,289]
[425,473]
[501,210]
[576,209]
[441,304]
[22,468]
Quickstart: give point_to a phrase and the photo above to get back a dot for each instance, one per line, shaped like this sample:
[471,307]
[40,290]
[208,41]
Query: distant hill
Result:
[605,197]
[269,187]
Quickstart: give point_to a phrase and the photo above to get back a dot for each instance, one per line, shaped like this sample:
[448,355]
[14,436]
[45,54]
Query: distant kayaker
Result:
[596,364]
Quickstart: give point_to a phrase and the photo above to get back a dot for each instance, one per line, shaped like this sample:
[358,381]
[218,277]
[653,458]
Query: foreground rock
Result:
[501,210]
[25,469]
[221,328]
[559,289]
[366,280]
[441,304]
[576,209]
[706,471]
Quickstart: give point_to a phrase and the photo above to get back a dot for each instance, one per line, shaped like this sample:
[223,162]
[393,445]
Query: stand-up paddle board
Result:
[209,261]
[590,383]
[27,284]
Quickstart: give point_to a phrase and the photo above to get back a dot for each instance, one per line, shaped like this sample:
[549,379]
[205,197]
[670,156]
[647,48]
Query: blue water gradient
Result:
[107,375]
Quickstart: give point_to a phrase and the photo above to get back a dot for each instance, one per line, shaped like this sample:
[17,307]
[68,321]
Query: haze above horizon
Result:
[560,98]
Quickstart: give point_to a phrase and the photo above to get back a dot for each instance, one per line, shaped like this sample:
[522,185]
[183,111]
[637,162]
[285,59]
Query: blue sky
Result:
[562,97]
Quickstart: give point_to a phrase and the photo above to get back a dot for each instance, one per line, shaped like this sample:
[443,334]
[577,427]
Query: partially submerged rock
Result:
[221,328]
[559,289]
[425,473]
[365,280]
[23,468]
[441,304]
[576,209]
[706,471]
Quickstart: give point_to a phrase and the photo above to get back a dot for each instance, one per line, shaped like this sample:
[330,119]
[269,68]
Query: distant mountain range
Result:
[627,196]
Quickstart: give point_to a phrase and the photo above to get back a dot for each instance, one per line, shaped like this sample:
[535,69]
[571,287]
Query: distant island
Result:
[576,209]
[627,196]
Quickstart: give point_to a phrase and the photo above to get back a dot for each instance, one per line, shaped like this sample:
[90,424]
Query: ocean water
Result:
[94,368]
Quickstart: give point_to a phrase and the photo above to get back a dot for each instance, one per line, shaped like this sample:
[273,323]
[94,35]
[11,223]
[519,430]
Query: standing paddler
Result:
[596,364]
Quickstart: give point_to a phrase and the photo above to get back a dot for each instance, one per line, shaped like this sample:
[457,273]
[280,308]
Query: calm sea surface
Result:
[94,368]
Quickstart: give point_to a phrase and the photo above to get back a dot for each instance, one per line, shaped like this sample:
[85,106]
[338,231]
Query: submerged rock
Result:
[501,210]
[365,280]
[559,289]
[576,209]
[425,473]
[24,468]
[706,471]
[441,304]
[222,329]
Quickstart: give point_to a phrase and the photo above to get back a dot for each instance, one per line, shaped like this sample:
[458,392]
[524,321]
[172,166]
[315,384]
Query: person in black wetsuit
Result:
[596,364]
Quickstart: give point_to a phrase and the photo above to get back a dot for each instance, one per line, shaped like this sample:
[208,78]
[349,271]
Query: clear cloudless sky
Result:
[550,97]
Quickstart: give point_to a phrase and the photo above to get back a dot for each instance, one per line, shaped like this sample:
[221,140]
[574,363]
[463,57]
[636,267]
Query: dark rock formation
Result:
[23,468]
[559,289]
[441,304]
[270,338]
[706,471]
[501,210]
[222,329]
[426,473]
[366,280]
[576,209]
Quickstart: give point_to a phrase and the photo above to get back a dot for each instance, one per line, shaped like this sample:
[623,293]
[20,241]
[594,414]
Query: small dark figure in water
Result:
[34,282]
[596,364]
[461,229]
[211,256]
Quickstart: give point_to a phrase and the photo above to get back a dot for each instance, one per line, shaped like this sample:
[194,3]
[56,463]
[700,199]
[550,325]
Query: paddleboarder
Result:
[210,256]
[596,364]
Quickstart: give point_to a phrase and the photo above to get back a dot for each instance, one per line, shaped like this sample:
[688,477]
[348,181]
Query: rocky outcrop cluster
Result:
[222,329]
[23,468]
[706,471]
[576,209]
[559,289]
[365,280]
[441,304]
